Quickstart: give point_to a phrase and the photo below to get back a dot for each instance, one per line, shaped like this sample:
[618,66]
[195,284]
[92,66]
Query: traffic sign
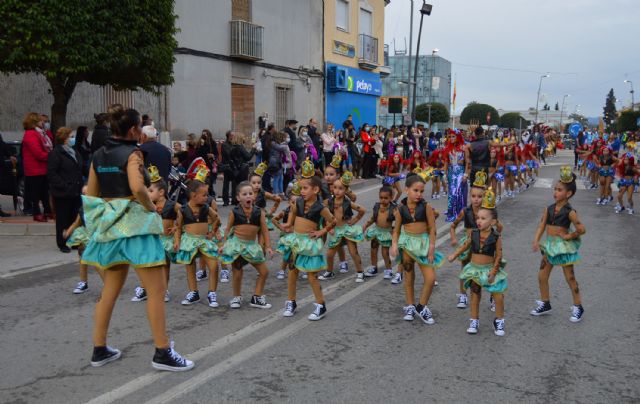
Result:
[574,128]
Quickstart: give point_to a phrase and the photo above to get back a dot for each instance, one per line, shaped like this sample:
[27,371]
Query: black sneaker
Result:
[139,295]
[191,298]
[326,275]
[319,311]
[289,308]
[168,359]
[201,275]
[103,355]
[371,272]
[260,302]
[576,313]
[543,308]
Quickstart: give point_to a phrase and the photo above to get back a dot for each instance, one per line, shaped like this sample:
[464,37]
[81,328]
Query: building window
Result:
[342,15]
[241,10]
[284,105]
[111,96]
[366,22]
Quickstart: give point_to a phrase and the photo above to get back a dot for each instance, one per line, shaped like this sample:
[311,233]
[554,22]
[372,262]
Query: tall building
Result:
[354,59]
[433,84]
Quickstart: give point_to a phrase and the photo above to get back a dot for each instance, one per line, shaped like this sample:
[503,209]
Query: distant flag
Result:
[454,95]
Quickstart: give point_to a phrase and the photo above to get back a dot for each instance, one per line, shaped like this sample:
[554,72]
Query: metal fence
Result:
[368,51]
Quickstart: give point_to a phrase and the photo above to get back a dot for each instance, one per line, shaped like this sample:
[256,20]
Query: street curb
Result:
[25,229]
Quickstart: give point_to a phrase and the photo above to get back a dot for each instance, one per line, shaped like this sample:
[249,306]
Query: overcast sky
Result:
[587,46]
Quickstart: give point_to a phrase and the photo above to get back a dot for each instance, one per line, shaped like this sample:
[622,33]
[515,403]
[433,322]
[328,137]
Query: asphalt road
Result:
[362,351]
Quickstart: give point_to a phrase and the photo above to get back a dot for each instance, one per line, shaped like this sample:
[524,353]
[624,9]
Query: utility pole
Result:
[409,61]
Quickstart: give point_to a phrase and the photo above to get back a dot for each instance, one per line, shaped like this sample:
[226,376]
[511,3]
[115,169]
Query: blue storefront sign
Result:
[351,91]
[574,129]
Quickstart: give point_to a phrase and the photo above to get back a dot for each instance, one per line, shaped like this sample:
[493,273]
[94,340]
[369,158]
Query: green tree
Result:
[609,110]
[513,120]
[439,112]
[545,107]
[628,121]
[128,44]
[557,107]
[478,112]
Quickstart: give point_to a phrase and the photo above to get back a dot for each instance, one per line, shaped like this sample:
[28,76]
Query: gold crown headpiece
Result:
[481,179]
[346,178]
[154,174]
[566,175]
[426,174]
[295,188]
[336,161]
[202,174]
[308,170]
[631,145]
[417,170]
[261,169]
[489,199]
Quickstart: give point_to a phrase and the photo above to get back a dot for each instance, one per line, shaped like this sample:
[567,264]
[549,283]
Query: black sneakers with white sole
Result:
[103,355]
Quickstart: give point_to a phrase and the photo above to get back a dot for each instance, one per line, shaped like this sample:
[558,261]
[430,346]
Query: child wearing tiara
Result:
[378,230]
[284,240]
[261,196]
[628,171]
[485,268]
[561,246]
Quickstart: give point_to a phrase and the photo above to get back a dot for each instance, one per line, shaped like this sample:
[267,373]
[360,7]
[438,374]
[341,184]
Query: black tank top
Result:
[324,190]
[561,218]
[347,212]
[314,212]
[469,218]
[390,215]
[169,211]
[189,218]
[421,214]
[628,171]
[261,201]
[489,247]
[480,153]
[110,164]
[240,218]
[510,156]
[606,161]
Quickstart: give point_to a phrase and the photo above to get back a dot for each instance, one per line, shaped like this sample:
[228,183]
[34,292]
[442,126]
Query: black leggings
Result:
[37,190]
[66,213]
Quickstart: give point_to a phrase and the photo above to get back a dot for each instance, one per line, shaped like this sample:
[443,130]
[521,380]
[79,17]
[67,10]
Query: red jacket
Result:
[34,154]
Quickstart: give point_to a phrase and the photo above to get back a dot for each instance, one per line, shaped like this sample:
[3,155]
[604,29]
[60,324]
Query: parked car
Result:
[12,175]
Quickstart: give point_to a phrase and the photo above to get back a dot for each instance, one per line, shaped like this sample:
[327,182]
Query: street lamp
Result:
[632,101]
[561,111]
[425,10]
[538,99]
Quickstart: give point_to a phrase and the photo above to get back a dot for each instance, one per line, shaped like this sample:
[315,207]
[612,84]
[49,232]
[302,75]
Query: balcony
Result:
[368,52]
[246,40]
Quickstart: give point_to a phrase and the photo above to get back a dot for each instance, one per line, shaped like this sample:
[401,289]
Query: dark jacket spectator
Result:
[64,172]
[100,132]
[155,153]
[228,169]
[36,147]
[83,148]
[208,150]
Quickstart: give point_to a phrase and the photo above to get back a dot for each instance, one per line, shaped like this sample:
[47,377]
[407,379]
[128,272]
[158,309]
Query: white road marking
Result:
[35,269]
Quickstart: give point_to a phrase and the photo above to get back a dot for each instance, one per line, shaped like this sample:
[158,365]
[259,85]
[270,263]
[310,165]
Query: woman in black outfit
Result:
[83,148]
[240,157]
[64,172]
[208,150]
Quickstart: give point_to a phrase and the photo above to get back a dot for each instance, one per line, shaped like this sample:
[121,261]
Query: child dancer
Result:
[168,210]
[285,238]
[378,230]
[193,238]
[246,220]
[201,274]
[607,172]
[496,172]
[307,244]
[345,231]
[261,196]
[393,175]
[485,268]
[561,246]
[437,178]
[511,165]
[414,237]
[627,170]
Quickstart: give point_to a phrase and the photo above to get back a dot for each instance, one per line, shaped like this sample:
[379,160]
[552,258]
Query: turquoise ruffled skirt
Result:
[167,244]
[417,247]
[346,231]
[79,237]
[284,245]
[236,247]
[465,254]
[561,252]
[308,253]
[270,225]
[193,244]
[121,232]
[479,274]
[383,235]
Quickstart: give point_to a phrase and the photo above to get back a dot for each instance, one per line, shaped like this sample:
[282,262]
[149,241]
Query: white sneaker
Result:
[397,278]
[409,312]
[212,298]
[201,275]
[426,316]
[463,301]
[280,275]
[81,287]
[167,296]
[224,276]
[492,304]
[630,211]
[344,268]
[473,326]
[371,271]
[576,314]
[236,302]
[289,308]
[435,283]
[326,275]
[304,275]
[498,327]
[359,277]
[318,313]
[388,274]
[617,208]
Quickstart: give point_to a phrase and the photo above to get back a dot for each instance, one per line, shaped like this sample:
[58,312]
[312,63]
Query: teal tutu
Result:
[270,225]
[381,234]
[479,274]
[138,251]
[79,237]
[236,247]
[193,244]
[561,252]
[346,231]
[417,247]
[308,253]
[284,245]
[167,243]
[465,254]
